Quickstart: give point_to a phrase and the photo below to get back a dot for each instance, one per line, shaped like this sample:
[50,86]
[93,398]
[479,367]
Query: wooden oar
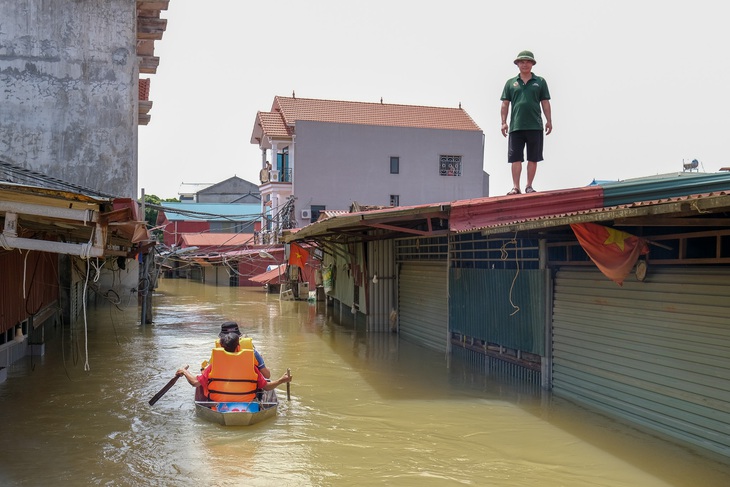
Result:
[288,385]
[167,387]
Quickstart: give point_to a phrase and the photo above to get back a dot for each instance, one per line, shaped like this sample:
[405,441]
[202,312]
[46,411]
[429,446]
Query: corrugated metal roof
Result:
[366,220]
[663,186]
[502,214]
[702,203]
[266,277]
[216,239]
[478,213]
[211,211]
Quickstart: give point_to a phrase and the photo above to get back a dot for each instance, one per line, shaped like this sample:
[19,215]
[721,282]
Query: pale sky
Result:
[636,86]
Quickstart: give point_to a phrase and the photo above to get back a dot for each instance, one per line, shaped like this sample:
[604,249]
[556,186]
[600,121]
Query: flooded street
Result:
[364,410]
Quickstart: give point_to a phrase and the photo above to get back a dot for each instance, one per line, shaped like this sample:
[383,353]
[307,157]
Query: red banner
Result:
[298,256]
[614,252]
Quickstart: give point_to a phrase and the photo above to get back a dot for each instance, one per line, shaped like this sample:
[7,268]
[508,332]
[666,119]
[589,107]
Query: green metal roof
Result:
[663,186]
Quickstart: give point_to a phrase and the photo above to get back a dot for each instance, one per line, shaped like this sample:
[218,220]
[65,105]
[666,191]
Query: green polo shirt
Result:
[525,99]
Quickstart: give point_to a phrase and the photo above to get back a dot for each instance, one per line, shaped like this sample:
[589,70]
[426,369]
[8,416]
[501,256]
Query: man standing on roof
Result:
[527,94]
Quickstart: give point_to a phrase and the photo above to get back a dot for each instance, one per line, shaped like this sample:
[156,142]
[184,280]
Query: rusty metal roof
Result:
[421,220]
[477,213]
[688,205]
[680,198]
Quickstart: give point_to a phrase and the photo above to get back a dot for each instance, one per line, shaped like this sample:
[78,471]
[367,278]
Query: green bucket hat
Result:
[526,55]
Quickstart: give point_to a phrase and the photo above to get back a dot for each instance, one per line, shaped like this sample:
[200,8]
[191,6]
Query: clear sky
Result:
[636,86]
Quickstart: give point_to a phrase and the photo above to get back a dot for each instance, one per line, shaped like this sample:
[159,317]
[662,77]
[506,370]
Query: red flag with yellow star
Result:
[614,252]
[298,256]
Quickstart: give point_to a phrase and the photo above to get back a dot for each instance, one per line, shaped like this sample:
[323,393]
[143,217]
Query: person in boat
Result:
[231,375]
[243,342]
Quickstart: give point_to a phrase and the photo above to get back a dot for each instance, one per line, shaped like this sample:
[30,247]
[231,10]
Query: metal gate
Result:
[422,304]
[656,353]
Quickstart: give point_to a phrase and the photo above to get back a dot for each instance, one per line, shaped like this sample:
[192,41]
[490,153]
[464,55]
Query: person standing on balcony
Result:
[527,94]
[265,173]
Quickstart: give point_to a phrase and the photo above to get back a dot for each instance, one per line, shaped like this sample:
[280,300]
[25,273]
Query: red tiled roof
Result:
[273,124]
[382,114]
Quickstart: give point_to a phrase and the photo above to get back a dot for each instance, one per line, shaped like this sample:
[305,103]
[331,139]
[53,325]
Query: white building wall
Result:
[336,164]
[69,77]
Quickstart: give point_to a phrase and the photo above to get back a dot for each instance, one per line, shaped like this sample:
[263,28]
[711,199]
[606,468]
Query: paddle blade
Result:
[162,392]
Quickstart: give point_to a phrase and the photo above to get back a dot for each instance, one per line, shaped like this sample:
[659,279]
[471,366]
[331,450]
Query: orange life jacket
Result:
[244,343]
[232,377]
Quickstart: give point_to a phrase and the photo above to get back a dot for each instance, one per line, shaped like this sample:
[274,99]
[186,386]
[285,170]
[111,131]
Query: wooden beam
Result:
[144,106]
[150,28]
[9,238]
[82,215]
[673,222]
[148,64]
[153,4]
[395,228]
[145,47]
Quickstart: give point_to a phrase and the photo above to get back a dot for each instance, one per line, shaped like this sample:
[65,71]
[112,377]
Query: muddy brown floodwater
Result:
[365,409]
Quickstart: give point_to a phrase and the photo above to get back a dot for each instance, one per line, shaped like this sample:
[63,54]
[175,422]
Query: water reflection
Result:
[366,409]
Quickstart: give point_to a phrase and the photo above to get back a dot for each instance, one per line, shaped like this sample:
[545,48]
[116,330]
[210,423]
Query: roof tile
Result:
[360,113]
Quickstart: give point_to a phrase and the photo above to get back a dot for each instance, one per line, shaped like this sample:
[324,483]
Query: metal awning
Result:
[64,222]
[421,220]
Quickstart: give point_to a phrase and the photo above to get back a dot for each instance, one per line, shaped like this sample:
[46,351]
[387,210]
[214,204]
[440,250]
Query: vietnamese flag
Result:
[298,256]
[614,252]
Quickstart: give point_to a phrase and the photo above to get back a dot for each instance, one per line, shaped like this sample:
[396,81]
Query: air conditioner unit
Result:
[274,174]
[306,214]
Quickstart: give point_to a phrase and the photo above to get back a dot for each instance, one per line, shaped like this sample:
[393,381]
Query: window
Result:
[394,165]
[450,165]
[282,165]
[316,210]
[394,200]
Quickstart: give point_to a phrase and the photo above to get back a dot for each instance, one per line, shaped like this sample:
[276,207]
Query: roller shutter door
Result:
[656,353]
[423,313]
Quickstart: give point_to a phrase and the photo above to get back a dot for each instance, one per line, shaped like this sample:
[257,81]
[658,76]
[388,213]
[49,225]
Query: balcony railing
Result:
[284,176]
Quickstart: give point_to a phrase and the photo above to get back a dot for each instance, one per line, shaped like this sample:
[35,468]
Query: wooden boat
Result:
[239,413]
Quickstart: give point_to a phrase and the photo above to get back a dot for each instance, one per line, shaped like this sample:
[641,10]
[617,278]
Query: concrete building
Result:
[72,101]
[71,88]
[327,154]
[232,190]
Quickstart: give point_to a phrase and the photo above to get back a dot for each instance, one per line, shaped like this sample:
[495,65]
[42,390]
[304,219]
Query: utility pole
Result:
[145,290]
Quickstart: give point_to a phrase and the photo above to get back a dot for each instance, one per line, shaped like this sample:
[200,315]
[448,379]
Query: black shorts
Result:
[516,146]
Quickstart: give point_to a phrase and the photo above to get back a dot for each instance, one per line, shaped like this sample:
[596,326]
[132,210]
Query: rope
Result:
[86,326]
[85,250]
[97,268]
[504,256]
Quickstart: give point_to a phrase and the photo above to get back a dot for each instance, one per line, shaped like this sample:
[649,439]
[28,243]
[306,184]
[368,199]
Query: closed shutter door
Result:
[422,304]
[656,353]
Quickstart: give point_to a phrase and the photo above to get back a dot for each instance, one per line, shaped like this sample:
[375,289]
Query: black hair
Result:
[229,342]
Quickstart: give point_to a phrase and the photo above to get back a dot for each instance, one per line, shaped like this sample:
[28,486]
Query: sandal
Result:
[514,191]
[530,190]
